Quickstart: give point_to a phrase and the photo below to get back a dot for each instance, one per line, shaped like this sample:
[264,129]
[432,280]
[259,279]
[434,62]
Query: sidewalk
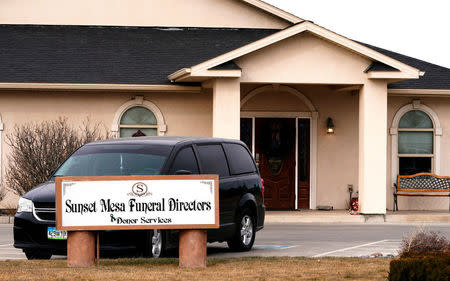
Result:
[343,216]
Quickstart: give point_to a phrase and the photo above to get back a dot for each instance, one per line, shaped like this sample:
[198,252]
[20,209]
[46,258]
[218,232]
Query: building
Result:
[235,69]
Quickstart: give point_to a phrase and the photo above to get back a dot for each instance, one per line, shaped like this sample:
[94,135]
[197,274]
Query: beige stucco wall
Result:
[198,13]
[337,155]
[186,114]
[440,105]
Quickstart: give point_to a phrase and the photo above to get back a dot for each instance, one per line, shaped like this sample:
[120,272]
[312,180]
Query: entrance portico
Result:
[337,74]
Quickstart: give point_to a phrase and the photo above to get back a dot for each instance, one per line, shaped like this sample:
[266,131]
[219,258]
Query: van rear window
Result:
[240,160]
[213,159]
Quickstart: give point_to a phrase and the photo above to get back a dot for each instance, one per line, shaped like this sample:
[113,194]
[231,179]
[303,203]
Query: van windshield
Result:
[115,160]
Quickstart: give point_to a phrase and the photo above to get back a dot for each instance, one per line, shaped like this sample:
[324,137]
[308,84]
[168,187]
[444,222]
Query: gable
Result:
[204,69]
[303,58]
[193,13]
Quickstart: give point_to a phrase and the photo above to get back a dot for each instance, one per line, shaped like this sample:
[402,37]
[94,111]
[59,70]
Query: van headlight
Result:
[24,205]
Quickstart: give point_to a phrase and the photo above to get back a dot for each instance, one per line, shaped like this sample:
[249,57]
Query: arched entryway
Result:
[279,125]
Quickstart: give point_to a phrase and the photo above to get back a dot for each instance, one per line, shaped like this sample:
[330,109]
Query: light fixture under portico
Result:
[330,126]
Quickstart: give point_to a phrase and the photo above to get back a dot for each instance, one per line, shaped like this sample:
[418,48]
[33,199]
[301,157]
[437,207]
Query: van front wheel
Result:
[155,244]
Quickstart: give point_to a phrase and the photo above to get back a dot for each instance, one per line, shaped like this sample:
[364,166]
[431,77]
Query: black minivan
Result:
[240,193]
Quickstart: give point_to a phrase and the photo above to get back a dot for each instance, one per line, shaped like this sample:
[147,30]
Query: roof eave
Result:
[101,87]
[178,74]
[201,76]
[397,75]
[420,92]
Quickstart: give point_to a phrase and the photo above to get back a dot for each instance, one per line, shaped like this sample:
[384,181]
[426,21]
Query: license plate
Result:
[53,233]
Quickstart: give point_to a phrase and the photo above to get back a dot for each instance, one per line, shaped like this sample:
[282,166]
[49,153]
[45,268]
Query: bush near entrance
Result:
[424,255]
[423,267]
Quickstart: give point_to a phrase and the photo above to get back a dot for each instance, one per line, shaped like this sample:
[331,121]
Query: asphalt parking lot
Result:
[310,240]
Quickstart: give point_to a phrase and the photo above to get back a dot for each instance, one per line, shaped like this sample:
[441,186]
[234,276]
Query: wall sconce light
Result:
[330,126]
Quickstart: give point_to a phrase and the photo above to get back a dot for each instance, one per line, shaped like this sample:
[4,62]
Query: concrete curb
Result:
[6,220]
[340,216]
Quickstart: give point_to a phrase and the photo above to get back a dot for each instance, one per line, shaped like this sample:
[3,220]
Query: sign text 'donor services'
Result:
[137,202]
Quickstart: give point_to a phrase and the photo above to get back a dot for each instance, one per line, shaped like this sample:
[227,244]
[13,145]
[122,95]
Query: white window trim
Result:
[415,105]
[139,101]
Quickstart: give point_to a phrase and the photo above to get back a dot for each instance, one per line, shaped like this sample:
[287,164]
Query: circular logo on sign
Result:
[139,189]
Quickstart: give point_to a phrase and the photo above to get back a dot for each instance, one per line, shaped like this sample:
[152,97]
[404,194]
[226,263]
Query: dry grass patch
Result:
[218,269]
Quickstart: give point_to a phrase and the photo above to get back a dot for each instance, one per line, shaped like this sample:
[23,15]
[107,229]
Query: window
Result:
[212,159]
[240,160]
[415,143]
[246,131]
[138,121]
[185,160]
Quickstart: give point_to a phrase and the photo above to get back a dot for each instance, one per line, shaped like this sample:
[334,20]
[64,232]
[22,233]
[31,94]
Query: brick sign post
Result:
[88,204]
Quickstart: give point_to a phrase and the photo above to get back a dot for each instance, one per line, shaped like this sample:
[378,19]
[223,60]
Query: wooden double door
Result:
[277,148]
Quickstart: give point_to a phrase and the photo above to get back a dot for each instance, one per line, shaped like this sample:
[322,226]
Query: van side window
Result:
[240,160]
[185,160]
[213,159]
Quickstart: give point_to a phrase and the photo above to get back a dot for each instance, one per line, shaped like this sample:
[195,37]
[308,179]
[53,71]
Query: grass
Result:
[256,268]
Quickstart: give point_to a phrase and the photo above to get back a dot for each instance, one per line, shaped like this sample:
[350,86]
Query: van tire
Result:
[155,246]
[244,236]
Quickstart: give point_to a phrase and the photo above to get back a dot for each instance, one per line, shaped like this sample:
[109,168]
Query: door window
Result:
[185,160]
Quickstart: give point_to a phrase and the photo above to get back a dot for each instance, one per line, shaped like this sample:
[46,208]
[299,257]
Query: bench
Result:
[422,184]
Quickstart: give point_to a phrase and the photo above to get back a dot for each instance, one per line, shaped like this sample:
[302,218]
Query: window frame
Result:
[412,155]
[161,127]
[437,133]
[138,126]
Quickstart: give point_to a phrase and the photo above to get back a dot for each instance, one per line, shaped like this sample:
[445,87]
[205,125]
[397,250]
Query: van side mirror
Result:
[183,172]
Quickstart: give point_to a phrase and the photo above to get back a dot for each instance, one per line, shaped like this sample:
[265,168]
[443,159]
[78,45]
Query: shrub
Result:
[423,241]
[37,150]
[421,267]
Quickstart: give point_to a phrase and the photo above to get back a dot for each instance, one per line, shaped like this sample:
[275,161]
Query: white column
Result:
[372,147]
[226,108]
[313,161]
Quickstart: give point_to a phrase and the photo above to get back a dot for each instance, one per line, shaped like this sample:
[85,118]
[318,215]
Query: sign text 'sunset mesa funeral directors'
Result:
[136,202]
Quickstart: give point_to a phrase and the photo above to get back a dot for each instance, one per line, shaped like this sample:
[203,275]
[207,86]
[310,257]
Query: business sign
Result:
[137,202]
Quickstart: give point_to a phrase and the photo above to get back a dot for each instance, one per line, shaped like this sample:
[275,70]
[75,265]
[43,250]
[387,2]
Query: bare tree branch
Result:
[37,149]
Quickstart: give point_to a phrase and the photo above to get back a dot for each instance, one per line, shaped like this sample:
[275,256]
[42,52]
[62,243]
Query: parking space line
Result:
[4,245]
[274,247]
[350,248]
